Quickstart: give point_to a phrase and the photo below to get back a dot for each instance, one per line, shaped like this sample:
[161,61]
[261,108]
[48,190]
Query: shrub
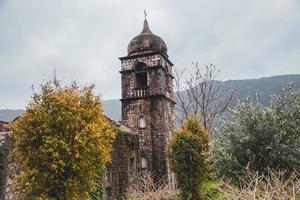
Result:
[260,137]
[188,152]
[210,190]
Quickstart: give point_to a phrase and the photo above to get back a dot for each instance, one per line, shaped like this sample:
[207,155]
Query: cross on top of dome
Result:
[146,41]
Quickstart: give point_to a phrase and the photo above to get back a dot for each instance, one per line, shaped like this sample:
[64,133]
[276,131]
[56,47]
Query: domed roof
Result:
[146,41]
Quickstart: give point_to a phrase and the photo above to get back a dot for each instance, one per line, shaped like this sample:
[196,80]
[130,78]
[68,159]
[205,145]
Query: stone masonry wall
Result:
[157,67]
[124,164]
[154,103]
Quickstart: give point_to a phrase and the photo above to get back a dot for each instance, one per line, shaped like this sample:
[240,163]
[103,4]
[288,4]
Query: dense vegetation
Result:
[259,137]
[256,152]
[61,144]
[188,152]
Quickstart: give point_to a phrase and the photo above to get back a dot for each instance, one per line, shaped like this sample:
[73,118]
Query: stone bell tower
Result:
[147,98]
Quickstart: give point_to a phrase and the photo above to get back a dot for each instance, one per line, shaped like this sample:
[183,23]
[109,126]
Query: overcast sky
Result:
[82,40]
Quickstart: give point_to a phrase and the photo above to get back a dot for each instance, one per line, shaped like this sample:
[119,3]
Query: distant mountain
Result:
[112,108]
[264,87]
[9,115]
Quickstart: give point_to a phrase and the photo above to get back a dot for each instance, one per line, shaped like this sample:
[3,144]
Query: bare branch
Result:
[143,187]
[201,94]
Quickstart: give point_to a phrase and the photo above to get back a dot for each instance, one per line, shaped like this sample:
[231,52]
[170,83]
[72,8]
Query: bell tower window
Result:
[142,122]
[141,75]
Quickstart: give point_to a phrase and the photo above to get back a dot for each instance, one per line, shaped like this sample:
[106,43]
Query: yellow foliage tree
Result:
[61,143]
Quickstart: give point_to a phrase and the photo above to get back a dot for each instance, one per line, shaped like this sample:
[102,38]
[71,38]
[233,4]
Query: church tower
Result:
[147,98]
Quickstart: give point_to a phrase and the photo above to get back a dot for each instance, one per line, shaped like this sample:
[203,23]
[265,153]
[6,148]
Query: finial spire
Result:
[146,26]
[145,13]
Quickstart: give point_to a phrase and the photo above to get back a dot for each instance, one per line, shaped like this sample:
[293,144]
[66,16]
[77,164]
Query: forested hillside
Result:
[264,87]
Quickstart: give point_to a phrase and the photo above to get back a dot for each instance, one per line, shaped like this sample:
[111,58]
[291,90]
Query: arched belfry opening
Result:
[141,75]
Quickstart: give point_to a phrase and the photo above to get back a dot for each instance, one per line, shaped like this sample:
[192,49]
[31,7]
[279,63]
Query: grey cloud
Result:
[82,40]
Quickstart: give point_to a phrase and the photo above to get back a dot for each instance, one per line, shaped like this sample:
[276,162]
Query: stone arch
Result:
[141,79]
[141,121]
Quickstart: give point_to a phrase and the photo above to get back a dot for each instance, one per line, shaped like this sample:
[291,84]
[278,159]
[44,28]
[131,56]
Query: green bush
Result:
[259,137]
[210,189]
[188,152]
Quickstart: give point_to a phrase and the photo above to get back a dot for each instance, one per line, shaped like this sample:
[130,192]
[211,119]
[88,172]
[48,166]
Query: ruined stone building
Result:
[147,115]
